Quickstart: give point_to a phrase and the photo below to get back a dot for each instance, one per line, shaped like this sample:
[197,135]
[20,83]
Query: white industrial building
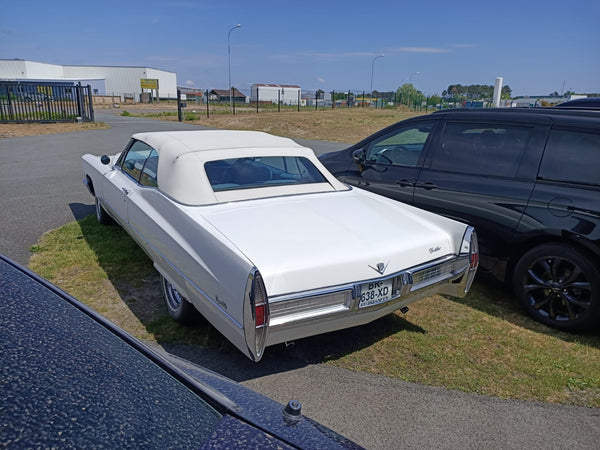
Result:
[284,93]
[124,82]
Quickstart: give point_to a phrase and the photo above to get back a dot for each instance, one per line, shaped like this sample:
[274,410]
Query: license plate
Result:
[375,293]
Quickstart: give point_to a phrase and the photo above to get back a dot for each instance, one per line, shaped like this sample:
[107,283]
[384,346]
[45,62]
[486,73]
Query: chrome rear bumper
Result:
[307,314]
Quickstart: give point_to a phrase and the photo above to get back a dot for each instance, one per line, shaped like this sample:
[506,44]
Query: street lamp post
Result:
[229,59]
[372,69]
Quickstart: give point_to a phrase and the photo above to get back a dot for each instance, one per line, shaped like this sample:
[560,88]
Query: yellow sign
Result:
[149,83]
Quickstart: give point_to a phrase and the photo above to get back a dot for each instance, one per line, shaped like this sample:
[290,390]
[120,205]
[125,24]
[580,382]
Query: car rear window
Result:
[256,172]
[572,156]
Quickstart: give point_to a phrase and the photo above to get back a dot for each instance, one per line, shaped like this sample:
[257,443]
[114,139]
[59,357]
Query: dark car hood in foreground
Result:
[70,378]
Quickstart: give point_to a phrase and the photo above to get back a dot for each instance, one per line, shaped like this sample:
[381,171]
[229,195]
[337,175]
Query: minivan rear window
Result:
[572,156]
[481,148]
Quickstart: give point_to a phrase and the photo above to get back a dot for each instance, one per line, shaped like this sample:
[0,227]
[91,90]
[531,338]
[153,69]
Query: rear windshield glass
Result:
[256,172]
[572,156]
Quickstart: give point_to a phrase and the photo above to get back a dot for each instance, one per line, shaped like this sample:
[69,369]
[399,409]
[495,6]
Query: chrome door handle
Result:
[126,191]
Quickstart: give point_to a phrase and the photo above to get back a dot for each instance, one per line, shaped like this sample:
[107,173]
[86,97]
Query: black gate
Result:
[25,102]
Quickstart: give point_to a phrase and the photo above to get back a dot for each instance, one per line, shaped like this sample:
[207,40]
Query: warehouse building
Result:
[274,93]
[124,82]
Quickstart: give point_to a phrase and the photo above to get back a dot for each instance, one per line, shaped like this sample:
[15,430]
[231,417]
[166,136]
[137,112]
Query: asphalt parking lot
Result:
[41,189]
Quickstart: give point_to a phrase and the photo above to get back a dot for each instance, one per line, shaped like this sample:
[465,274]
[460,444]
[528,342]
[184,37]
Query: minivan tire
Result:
[559,285]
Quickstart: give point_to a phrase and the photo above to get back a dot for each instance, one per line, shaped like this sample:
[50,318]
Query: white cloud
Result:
[417,50]
[320,80]
[189,83]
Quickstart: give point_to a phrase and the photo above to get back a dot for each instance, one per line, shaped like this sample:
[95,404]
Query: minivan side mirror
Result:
[104,159]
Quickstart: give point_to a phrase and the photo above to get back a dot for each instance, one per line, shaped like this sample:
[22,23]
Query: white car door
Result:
[124,180]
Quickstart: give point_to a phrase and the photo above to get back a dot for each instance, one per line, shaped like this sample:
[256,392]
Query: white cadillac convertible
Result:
[253,232]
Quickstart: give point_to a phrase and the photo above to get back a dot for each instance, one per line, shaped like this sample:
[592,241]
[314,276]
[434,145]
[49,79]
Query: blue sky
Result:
[538,47]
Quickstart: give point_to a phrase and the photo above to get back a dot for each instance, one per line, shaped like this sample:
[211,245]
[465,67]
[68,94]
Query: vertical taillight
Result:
[256,315]
[474,252]
[470,246]
[261,313]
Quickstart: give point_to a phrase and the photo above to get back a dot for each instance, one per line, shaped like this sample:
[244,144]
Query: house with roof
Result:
[223,96]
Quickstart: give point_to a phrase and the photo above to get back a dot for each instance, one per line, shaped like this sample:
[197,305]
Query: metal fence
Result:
[28,102]
[201,103]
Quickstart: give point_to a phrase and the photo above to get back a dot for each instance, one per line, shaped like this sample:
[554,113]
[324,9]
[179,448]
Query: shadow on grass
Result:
[494,298]
[138,284]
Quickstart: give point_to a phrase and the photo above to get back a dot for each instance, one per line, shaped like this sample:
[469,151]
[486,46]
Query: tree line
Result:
[475,91]
[407,94]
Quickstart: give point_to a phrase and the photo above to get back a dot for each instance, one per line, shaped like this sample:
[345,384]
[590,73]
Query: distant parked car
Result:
[527,179]
[252,231]
[584,103]
[72,379]
[33,96]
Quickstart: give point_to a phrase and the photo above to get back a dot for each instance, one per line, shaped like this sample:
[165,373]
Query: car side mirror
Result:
[105,160]
[359,156]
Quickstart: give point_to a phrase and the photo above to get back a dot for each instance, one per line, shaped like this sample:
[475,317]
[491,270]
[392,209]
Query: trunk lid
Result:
[315,241]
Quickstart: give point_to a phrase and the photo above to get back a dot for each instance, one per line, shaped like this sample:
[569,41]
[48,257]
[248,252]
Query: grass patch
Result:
[459,344]
[483,343]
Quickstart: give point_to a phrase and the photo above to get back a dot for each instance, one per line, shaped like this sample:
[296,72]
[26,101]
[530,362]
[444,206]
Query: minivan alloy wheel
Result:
[558,286]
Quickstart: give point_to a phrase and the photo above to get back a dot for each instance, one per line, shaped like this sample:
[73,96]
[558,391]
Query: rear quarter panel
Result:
[203,266]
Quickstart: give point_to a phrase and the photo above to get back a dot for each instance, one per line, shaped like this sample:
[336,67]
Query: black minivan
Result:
[527,179]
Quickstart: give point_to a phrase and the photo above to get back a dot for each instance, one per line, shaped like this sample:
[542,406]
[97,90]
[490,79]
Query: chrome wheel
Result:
[179,308]
[102,215]
[98,211]
[172,297]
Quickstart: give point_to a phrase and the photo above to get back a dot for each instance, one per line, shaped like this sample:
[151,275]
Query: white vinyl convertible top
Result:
[182,155]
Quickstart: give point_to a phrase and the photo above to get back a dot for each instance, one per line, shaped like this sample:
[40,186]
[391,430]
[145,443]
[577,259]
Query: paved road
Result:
[40,189]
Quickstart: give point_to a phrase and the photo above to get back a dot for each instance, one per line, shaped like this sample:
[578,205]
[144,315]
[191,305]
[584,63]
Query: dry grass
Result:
[9,130]
[347,125]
